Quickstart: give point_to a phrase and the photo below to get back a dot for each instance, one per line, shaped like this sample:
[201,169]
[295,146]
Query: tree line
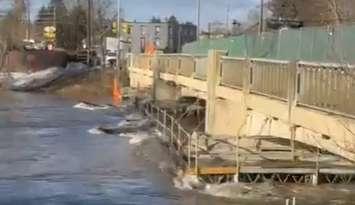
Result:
[314,12]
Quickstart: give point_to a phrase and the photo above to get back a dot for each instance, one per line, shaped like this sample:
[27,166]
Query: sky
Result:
[184,10]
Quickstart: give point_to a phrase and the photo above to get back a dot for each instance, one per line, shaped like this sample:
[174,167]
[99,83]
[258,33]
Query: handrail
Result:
[328,87]
[174,129]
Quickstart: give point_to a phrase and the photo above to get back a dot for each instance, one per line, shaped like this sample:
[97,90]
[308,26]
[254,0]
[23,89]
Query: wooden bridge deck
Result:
[259,170]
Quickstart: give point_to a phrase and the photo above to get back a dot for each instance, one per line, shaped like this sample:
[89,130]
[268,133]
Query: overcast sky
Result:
[185,10]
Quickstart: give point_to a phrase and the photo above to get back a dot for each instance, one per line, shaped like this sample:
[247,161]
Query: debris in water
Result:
[127,127]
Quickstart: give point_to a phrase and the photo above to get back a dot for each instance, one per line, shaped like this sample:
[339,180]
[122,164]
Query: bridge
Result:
[263,103]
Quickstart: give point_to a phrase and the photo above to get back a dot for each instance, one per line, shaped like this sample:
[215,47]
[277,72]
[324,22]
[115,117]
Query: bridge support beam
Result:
[221,114]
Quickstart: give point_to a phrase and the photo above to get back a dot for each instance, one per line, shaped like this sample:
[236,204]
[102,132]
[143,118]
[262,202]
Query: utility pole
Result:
[54,17]
[28,20]
[89,34]
[198,19]
[261,20]
[118,35]
[227,18]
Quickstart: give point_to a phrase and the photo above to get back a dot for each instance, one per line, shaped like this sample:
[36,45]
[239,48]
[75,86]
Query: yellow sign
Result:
[125,28]
[50,33]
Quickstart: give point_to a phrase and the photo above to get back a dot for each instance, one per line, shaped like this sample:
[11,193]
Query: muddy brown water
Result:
[48,157]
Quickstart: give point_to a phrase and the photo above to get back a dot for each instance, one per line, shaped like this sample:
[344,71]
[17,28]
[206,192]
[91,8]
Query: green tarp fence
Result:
[326,44]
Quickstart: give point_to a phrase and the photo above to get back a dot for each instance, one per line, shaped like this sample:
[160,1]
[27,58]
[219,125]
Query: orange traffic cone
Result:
[116,93]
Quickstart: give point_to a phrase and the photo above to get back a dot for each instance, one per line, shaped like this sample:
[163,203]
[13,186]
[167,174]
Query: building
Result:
[179,35]
[142,34]
[166,37]
[218,29]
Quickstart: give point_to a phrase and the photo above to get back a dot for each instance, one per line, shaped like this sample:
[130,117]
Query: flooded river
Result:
[48,157]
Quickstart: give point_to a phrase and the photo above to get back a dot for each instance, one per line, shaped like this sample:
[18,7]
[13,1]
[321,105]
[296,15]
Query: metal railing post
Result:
[189,151]
[165,126]
[172,131]
[196,155]
[158,117]
[179,137]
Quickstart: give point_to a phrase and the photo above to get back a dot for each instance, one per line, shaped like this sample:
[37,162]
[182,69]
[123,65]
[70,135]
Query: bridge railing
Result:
[327,86]
[233,71]
[187,66]
[270,78]
[142,61]
[163,63]
[201,68]
[323,86]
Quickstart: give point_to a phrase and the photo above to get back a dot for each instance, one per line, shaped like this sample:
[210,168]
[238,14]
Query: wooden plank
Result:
[212,171]
[259,170]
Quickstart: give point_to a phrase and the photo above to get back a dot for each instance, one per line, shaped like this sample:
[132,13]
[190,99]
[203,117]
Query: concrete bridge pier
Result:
[223,116]
[163,91]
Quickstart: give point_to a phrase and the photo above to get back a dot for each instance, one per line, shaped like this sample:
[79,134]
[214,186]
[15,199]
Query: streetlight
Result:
[198,19]
[118,54]
[261,21]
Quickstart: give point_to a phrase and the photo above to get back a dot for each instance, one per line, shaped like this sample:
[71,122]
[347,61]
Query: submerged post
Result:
[293,137]
[196,155]
[165,125]
[315,176]
[179,137]
[158,117]
[189,149]
[172,132]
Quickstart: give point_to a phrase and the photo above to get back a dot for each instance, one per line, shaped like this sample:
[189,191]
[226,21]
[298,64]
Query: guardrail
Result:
[327,86]
[233,71]
[201,68]
[142,61]
[188,145]
[171,130]
[187,66]
[323,86]
[269,77]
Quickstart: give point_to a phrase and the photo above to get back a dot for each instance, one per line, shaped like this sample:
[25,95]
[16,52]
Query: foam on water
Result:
[95,131]
[86,106]
[136,138]
[134,117]
[187,182]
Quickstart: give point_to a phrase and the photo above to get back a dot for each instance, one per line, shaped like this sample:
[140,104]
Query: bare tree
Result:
[315,12]
[12,30]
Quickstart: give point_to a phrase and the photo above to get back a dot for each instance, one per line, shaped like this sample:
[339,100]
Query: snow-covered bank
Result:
[47,77]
